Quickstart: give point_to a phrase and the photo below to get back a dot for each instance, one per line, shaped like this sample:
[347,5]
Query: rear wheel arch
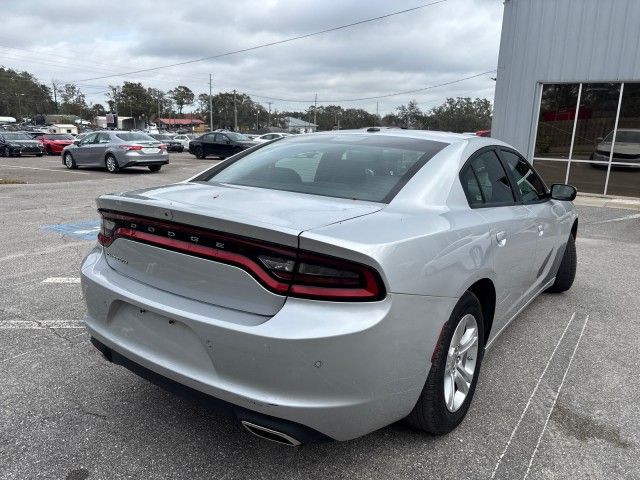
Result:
[574,229]
[485,291]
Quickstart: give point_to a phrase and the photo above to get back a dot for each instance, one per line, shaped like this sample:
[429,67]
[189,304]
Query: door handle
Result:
[501,237]
[540,230]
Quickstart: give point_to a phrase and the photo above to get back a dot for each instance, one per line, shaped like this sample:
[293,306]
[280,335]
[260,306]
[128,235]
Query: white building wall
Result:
[552,41]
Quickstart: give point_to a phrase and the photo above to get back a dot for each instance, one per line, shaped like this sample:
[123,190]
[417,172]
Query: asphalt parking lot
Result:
[557,397]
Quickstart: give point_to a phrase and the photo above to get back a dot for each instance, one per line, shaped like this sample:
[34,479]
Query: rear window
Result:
[17,136]
[135,137]
[361,167]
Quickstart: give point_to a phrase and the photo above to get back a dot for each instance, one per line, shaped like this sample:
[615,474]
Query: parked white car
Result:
[185,139]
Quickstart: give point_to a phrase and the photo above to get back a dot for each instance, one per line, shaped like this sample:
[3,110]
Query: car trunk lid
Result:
[172,249]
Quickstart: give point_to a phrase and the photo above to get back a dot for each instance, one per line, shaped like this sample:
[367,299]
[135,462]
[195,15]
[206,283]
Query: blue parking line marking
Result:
[87,230]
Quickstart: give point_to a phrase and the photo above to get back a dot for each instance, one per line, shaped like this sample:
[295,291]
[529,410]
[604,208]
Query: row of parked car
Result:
[116,149]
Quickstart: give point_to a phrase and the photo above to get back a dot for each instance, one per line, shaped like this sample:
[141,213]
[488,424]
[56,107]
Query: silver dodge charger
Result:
[323,286]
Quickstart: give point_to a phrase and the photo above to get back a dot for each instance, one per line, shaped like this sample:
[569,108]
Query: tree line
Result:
[22,95]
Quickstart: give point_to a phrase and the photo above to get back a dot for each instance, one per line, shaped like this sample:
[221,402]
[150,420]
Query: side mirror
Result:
[76,142]
[227,141]
[564,192]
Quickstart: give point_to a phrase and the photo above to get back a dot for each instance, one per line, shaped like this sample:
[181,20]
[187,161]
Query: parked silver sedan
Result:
[324,286]
[114,150]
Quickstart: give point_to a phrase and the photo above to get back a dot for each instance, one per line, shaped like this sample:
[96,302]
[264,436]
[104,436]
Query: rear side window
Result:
[485,181]
[360,167]
[135,137]
[531,187]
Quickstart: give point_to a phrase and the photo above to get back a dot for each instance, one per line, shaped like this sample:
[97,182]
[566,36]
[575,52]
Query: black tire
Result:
[155,168]
[69,162]
[199,152]
[38,154]
[111,164]
[4,152]
[567,270]
[48,150]
[431,414]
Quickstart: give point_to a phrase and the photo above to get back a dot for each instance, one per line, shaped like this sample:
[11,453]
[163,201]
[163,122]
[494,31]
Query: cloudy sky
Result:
[74,41]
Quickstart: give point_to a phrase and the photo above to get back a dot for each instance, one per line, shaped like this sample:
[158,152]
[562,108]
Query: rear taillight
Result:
[130,147]
[281,270]
[162,146]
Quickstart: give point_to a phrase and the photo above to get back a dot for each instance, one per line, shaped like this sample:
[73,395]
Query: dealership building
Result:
[568,91]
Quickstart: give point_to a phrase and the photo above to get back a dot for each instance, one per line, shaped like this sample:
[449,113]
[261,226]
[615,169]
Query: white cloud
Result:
[67,40]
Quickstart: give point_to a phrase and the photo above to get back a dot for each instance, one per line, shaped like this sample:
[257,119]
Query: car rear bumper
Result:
[25,150]
[144,163]
[341,369]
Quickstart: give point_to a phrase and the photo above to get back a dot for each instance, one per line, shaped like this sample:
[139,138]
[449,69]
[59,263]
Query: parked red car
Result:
[53,143]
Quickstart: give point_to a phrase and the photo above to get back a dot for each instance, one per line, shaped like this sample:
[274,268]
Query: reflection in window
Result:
[588,177]
[596,119]
[555,124]
[551,171]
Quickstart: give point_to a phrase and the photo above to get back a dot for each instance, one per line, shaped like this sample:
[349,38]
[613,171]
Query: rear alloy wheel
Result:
[112,164]
[455,367]
[199,153]
[155,168]
[69,162]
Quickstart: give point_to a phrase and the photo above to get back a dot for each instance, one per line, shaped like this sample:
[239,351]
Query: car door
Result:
[208,143]
[81,152]
[488,188]
[99,148]
[223,145]
[93,148]
[533,194]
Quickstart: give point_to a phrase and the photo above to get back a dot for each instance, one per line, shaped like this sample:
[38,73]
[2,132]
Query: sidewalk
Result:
[608,202]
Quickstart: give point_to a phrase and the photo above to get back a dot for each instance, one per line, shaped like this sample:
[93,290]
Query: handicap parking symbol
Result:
[87,230]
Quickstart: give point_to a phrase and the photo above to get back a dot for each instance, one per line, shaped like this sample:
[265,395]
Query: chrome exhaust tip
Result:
[270,434]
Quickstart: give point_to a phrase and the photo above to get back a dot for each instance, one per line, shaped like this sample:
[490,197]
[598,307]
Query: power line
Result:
[386,95]
[264,45]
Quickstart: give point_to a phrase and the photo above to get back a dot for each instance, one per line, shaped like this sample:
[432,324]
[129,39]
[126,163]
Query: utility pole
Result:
[257,118]
[315,107]
[159,112]
[55,94]
[210,106]
[269,121]
[235,112]
[376,114]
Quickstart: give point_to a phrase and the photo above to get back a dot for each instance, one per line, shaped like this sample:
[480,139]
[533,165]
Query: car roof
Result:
[433,135]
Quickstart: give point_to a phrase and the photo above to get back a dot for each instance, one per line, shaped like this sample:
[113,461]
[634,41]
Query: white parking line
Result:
[61,280]
[39,325]
[48,169]
[575,349]
[619,219]
[528,404]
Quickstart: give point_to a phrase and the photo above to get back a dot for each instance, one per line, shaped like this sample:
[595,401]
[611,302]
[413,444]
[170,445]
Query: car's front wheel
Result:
[69,162]
[112,164]
[199,152]
[455,367]
[567,270]
[155,168]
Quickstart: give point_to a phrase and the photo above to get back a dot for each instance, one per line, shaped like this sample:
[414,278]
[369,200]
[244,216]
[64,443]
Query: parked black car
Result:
[172,145]
[220,144]
[18,144]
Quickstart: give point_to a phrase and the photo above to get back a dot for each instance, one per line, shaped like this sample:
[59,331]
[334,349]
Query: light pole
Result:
[19,104]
